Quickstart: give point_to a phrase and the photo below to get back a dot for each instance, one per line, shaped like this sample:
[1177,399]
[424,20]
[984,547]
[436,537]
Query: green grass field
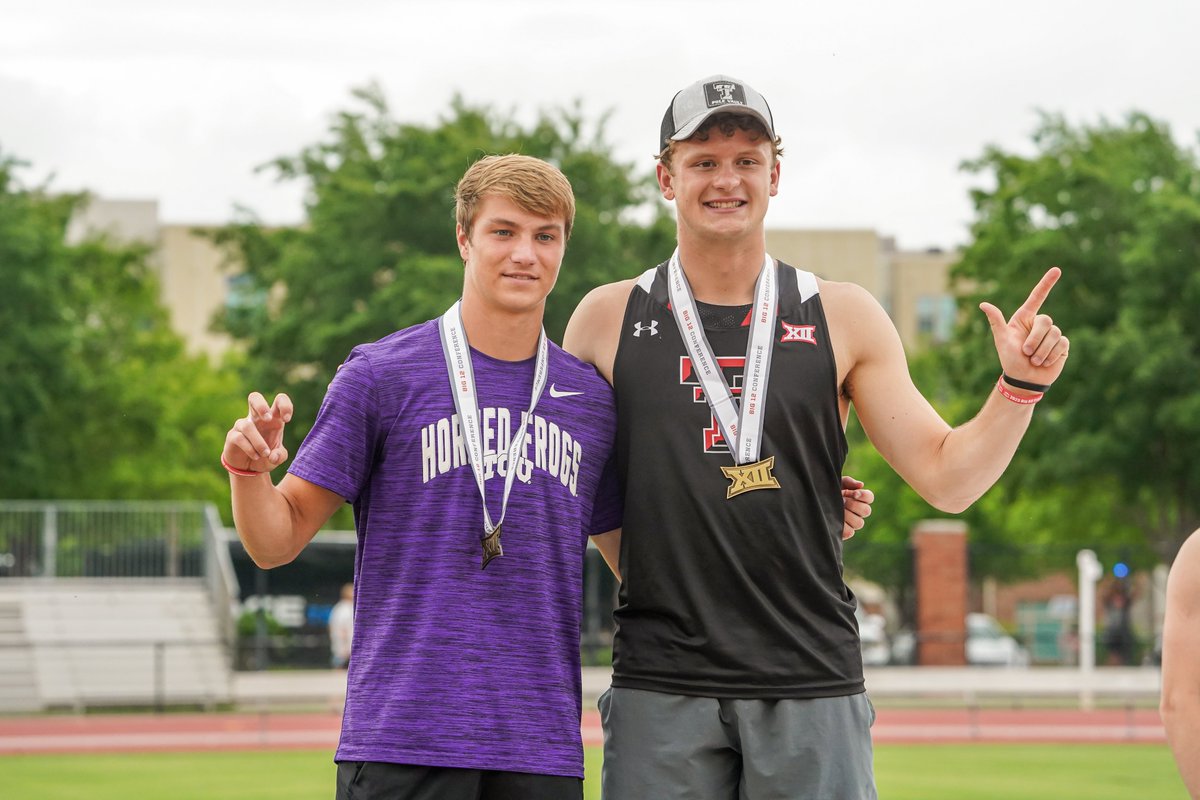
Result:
[903,772]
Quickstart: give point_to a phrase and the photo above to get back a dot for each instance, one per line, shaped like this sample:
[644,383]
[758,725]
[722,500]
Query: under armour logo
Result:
[639,327]
[799,333]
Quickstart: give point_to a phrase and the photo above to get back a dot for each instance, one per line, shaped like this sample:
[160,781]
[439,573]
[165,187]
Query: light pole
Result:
[1089,572]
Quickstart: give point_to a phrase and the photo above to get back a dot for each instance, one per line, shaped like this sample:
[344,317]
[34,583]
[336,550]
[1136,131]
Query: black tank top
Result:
[739,597]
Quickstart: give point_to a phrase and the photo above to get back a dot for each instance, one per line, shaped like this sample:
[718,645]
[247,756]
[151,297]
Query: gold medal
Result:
[491,547]
[748,477]
[740,418]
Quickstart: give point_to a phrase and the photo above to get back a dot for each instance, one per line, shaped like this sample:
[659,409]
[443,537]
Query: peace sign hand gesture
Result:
[255,443]
[1030,345]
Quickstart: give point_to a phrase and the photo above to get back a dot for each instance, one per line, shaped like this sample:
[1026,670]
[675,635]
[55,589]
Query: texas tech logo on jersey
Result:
[733,367]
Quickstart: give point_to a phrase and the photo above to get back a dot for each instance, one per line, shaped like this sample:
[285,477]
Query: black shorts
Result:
[376,780]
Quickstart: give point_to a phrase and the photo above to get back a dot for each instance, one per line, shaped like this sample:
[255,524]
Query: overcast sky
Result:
[877,102]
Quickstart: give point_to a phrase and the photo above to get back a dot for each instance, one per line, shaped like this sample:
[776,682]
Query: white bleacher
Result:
[119,642]
[18,687]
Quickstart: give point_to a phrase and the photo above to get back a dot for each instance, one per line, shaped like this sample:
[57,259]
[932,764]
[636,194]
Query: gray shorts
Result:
[668,746]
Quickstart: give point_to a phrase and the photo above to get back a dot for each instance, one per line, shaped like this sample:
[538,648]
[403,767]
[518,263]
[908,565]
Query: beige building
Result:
[189,266]
[912,286]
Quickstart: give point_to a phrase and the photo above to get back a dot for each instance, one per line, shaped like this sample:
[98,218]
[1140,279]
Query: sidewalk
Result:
[327,686]
[966,685]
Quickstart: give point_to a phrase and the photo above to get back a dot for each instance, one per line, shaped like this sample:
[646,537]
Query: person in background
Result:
[341,628]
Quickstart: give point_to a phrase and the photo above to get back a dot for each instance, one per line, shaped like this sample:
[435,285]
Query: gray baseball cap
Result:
[714,95]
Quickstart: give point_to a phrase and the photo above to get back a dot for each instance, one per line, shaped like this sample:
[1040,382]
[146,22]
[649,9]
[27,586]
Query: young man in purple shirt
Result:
[463,682]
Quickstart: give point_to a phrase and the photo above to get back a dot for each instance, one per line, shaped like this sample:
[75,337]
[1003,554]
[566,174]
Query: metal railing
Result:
[101,539]
[220,577]
[121,539]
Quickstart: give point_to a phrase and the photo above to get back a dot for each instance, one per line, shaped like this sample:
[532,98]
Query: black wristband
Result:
[1026,385]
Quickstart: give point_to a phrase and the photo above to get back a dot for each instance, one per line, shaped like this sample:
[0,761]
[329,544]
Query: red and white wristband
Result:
[232,470]
[1024,400]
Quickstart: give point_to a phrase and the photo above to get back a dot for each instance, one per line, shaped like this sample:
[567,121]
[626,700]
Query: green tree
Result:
[100,399]
[1117,206]
[377,252]
[1016,530]
[883,552]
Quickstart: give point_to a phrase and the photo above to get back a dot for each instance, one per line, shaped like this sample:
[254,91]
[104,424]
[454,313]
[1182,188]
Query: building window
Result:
[935,317]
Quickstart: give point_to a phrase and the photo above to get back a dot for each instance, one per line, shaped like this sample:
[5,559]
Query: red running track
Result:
[273,731]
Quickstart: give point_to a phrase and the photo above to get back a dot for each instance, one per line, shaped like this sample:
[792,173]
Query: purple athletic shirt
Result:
[453,666]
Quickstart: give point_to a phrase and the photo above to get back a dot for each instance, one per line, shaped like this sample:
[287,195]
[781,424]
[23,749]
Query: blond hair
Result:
[532,184]
[729,123]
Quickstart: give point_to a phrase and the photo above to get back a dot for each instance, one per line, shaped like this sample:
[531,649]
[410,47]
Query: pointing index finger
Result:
[1040,292]
[258,406]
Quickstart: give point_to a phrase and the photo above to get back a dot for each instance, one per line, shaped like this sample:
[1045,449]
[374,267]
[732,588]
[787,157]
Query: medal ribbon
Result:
[741,421]
[462,385]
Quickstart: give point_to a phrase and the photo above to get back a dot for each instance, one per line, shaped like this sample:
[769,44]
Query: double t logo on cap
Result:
[720,93]
[716,94]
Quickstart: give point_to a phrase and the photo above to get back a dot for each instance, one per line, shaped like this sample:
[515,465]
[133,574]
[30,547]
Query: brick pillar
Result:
[940,574]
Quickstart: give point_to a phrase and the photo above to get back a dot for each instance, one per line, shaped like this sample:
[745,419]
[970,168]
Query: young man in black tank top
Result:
[737,672]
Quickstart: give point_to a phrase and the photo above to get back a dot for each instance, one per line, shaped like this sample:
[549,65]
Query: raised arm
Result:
[1180,705]
[949,467]
[273,522]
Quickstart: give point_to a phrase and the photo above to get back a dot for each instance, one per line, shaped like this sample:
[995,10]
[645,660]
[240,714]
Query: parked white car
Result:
[989,645]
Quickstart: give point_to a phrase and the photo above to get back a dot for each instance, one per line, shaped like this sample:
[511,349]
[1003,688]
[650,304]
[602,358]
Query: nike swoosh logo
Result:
[556,392]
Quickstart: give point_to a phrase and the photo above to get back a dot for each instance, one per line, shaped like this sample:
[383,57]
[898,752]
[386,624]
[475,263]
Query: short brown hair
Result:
[729,124]
[534,185]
